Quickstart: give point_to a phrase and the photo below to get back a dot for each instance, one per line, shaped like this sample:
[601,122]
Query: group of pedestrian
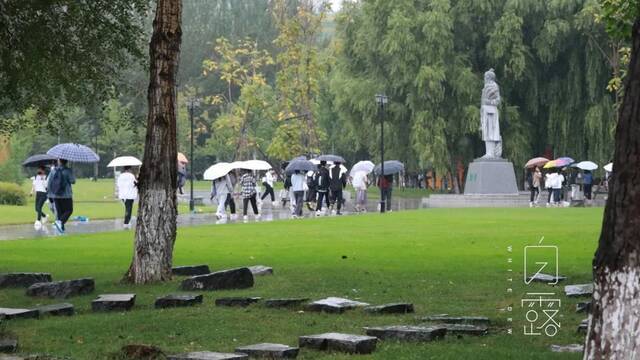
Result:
[54,187]
[222,189]
[554,181]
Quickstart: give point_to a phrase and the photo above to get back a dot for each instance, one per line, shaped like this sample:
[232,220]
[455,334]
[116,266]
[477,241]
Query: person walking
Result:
[298,180]
[221,190]
[587,181]
[249,194]
[337,182]
[267,180]
[59,189]
[311,189]
[537,185]
[548,184]
[182,176]
[39,187]
[385,183]
[322,187]
[558,180]
[360,182]
[127,193]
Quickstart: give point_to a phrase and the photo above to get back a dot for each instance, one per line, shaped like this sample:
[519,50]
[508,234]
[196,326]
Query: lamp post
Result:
[381,100]
[191,105]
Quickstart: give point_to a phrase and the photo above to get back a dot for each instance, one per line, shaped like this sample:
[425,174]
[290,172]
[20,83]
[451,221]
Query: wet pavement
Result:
[269,212]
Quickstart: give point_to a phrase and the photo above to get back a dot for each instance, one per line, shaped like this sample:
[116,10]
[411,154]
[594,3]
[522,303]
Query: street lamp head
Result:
[382,99]
[193,103]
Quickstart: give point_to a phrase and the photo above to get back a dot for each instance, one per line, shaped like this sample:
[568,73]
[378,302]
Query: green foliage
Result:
[11,170]
[12,194]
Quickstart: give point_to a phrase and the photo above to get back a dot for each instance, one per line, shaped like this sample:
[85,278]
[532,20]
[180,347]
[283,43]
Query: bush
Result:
[12,194]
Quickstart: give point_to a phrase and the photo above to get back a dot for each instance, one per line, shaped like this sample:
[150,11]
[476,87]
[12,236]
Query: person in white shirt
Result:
[360,181]
[39,187]
[267,180]
[298,182]
[548,184]
[222,188]
[127,192]
[558,179]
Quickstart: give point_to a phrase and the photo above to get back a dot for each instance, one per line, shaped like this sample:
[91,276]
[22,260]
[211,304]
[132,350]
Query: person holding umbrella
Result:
[360,182]
[249,193]
[59,189]
[39,187]
[385,183]
[322,186]
[297,188]
[222,189]
[127,193]
[338,180]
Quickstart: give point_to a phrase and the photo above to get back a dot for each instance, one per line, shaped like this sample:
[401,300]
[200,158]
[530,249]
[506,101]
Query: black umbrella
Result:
[38,160]
[390,167]
[332,158]
[299,165]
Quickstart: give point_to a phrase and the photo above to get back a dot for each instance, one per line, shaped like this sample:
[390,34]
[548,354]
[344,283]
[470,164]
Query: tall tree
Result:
[614,322]
[157,212]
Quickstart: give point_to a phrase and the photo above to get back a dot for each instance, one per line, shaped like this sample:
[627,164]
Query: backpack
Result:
[57,185]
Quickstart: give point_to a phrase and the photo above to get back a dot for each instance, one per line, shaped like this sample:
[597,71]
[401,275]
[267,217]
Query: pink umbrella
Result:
[538,161]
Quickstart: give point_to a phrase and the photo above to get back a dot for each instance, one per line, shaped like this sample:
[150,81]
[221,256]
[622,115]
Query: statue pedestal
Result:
[492,176]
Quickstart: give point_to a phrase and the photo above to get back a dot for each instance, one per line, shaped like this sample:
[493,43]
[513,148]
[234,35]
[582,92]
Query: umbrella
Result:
[317,162]
[559,162]
[182,158]
[390,167]
[299,165]
[366,166]
[74,152]
[38,160]
[332,158]
[586,165]
[251,165]
[538,161]
[608,167]
[217,171]
[124,161]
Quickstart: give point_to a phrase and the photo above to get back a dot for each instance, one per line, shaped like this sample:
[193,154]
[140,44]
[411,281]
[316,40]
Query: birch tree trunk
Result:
[614,326]
[157,211]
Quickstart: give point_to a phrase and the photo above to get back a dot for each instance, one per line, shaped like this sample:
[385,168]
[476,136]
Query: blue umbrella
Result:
[74,153]
[332,158]
[390,167]
[299,165]
[38,160]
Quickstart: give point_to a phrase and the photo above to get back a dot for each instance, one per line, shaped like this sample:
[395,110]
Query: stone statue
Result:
[489,116]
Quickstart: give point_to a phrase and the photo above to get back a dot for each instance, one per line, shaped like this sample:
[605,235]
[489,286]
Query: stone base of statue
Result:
[491,176]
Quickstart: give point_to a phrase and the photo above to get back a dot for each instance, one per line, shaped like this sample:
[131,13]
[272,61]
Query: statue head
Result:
[489,76]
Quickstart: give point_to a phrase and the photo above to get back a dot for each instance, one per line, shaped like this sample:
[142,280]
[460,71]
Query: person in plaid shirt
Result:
[248,184]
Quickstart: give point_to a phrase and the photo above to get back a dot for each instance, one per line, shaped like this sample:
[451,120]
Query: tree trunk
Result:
[614,326]
[157,211]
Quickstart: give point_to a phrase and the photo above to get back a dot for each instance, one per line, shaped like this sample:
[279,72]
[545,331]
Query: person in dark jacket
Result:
[385,183]
[312,185]
[59,189]
[337,182]
[322,187]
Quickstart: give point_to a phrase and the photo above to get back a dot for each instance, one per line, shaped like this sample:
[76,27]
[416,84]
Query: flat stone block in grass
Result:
[285,303]
[10,313]
[407,333]
[578,290]
[571,348]
[261,270]
[584,306]
[546,278]
[466,329]
[237,301]
[8,345]
[190,270]
[396,308]
[62,289]
[114,302]
[353,344]
[177,300]
[334,305]
[208,355]
[64,309]
[240,278]
[584,325]
[269,351]
[141,352]
[446,319]
[23,279]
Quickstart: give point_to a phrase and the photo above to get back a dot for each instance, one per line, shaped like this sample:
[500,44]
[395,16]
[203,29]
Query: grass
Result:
[451,261]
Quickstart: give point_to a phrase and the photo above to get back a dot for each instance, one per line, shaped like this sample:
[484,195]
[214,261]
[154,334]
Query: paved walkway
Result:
[268,213]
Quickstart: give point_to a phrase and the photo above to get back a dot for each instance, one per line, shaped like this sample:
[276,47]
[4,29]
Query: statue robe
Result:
[489,116]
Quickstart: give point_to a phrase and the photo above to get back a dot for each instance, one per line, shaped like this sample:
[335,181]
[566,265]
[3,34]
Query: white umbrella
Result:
[366,166]
[257,165]
[125,161]
[608,167]
[217,171]
[587,165]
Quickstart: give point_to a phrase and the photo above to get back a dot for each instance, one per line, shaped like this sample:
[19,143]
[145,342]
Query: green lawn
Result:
[451,261]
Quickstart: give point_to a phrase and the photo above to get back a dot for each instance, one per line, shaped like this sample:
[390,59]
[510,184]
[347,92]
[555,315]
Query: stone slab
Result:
[261,270]
[583,326]
[578,290]
[8,345]
[571,348]
[239,278]
[466,329]
[334,305]
[491,177]
[62,289]
[141,352]
[394,308]
[25,279]
[190,270]
[353,344]
[113,302]
[11,313]
[407,332]
[64,309]
[446,319]
[208,355]
[584,306]
[285,303]
[546,278]
[237,301]
[269,351]
[177,300]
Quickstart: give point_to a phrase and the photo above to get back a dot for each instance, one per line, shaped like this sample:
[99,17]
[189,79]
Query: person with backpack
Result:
[322,187]
[337,182]
[127,193]
[311,189]
[59,189]
[39,187]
